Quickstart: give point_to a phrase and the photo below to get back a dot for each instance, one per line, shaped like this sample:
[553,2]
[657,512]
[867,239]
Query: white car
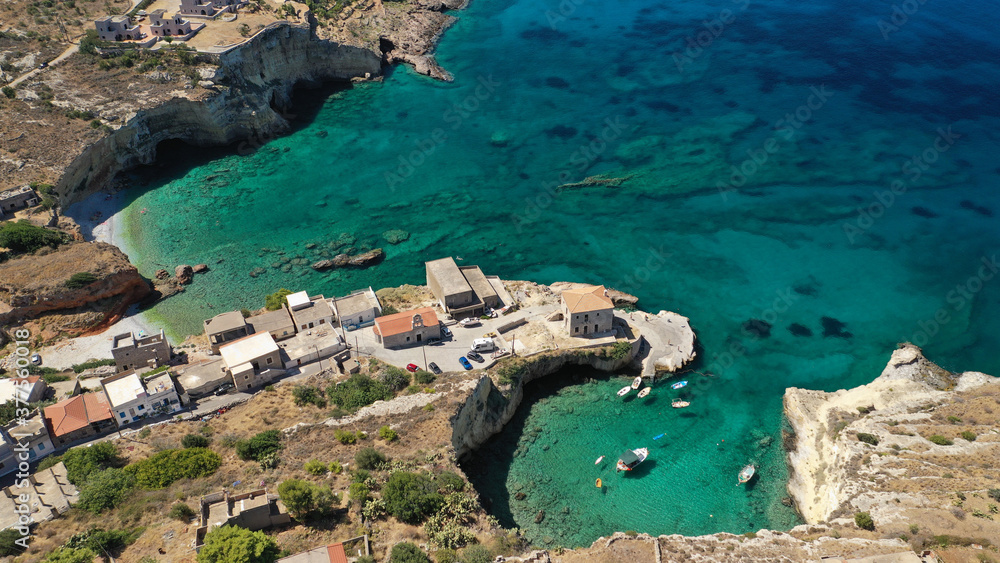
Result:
[470,322]
[36,360]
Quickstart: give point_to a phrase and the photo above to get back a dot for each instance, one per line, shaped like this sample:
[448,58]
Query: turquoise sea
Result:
[829,167]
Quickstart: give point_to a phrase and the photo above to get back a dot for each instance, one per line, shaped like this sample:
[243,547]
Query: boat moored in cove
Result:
[746,474]
[631,458]
[645,392]
[624,391]
[636,382]
[680,404]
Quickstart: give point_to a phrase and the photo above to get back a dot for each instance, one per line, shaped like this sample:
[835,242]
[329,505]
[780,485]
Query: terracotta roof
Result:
[586,299]
[336,552]
[399,323]
[77,412]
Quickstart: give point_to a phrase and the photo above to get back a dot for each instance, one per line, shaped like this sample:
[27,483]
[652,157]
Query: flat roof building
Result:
[252,360]
[226,327]
[150,351]
[22,389]
[279,323]
[462,292]
[132,399]
[357,309]
[309,312]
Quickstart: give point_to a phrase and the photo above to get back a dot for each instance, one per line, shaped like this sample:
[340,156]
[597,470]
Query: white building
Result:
[357,309]
[252,360]
[309,312]
[132,399]
[22,389]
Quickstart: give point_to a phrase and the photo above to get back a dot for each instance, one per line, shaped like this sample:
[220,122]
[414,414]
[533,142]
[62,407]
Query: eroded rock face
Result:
[34,285]
[183,273]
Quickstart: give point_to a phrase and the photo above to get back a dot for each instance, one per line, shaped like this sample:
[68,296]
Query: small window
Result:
[270,360]
[322,321]
[41,447]
[141,407]
[577,329]
[246,377]
[121,414]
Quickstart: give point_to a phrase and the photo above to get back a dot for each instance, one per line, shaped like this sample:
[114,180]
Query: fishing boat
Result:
[679,384]
[680,404]
[746,473]
[631,458]
[636,382]
[599,460]
[624,391]
[645,392]
[598,483]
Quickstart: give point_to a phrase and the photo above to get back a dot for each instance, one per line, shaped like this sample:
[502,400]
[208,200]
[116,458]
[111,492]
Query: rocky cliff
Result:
[916,448]
[251,84]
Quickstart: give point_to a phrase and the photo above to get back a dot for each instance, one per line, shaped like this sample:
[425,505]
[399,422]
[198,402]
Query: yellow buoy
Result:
[598,483]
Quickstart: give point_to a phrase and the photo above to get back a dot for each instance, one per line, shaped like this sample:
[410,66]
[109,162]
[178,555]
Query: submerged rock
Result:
[832,328]
[183,273]
[799,330]
[758,328]
[363,260]
[396,236]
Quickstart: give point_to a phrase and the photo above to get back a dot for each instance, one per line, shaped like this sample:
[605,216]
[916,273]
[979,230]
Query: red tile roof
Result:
[77,412]
[586,299]
[336,553]
[391,325]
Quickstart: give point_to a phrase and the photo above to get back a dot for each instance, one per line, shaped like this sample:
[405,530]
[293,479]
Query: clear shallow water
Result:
[467,169]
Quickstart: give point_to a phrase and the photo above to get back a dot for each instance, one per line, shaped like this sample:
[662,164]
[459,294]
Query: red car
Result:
[411,367]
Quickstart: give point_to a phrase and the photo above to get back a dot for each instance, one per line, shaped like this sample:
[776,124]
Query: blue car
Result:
[465,363]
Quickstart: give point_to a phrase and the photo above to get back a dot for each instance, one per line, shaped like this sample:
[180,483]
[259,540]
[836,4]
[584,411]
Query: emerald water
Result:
[801,163]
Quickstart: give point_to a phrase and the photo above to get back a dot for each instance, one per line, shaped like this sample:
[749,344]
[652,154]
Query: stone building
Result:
[209,8]
[15,199]
[33,434]
[226,327]
[79,417]
[254,511]
[309,312]
[462,292]
[117,28]
[132,399]
[175,26]
[150,351]
[408,328]
[357,309]
[252,361]
[587,310]
[278,323]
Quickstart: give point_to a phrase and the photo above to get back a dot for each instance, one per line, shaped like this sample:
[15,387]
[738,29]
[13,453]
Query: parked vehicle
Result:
[465,363]
[411,368]
[36,359]
[446,332]
[224,388]
[434,368]
[470,322]
[475,357]
[483,345]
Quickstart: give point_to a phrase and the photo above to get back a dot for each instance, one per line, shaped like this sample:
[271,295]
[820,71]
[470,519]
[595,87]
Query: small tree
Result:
[410,497]
[868,438]
[387,434]
[259,446]
[406,552]
[232,544]
[369,458]
[194,441]
[106,489]
[70,555]
[306,500]
[864,521]
[8,542]
[181,511]
[476,554]
[276,300]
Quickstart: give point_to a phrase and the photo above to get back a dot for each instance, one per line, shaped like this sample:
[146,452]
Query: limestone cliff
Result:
[249,85]
[908,448]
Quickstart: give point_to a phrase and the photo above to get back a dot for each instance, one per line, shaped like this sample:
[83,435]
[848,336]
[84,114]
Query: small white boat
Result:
[679,384]
[624,391]
[645,392]
[637,382]
[631,458]
[746,474]
[680,404]
[599,460]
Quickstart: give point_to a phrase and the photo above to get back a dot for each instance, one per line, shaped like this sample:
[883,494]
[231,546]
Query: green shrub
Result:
[940,440]
[22,237]
[269,461]
[406,552]
[181,511]
[70,555]
[104,541]
[259,446]
[358,391]
[78,368]
[165,467]
[969,436]
[345,437]
[276,300]
[8,542]
[232,544]
[476,554]
[410,497]
[194,441]
[360,476]
[105,489]
[306,500]
[308,395]
[510,372]
[620,349]
[336,467]
[81,462]
[80,279]
[864,521]
[9,92]
[359,493]
[868,438]
[145,433]
[424,377]
[395,378]
[369,458]
[387,434]
[448,481]
[954,419]
[315,467]
[445,555]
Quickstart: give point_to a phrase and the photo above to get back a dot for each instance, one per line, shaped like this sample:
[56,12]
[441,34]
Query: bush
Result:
[510,372]
[620,349]
[22,236]
[424,377]
[345,437]
[360,476]
[358,391]
[104,541]
[165,467]
[106,489]
[259,446]
[969,436]
[78,368]
[80,279]
[445,555]
[232,544]
[369,458]
[82,462]
[315,467]
[336,467]
[476,554]
[308,395]
[70,555]
[406,552]
[410,497]
[864,521]
[145,433]
[359,493]
[306,500]
[181,511]
[448,481]
[276,300]
[387,434]
[868,438]
[194,441]
[395,378]
[940,440]
[8,542]
[9,92]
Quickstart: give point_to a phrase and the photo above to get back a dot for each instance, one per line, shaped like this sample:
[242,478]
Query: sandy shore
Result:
[101,218]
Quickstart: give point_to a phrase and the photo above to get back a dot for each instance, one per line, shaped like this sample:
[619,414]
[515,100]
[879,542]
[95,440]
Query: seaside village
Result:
[471,318]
